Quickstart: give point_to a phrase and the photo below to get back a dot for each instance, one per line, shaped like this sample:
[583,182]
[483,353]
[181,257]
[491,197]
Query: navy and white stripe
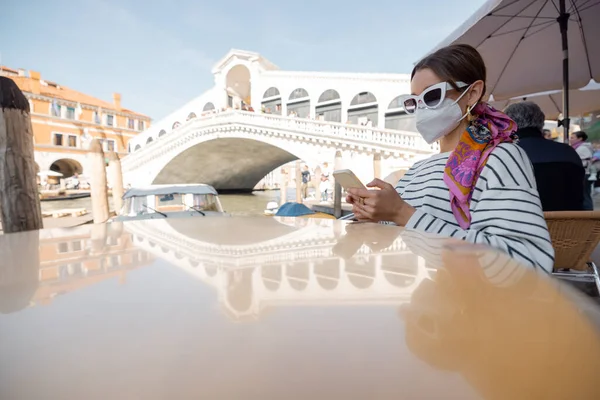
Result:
[506,211]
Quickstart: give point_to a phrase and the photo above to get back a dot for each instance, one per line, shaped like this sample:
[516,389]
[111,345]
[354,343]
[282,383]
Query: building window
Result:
[63,247]
[72,141]
[96,117]
[70,113]
[110,119]
[57,139]
[110,145]
[55,109]
[130,123]
[141,126]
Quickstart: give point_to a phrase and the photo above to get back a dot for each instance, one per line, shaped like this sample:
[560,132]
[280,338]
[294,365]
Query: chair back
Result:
[575,235]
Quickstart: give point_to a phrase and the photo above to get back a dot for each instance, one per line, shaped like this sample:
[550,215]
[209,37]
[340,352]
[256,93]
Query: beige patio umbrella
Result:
[580,102]
[532,46]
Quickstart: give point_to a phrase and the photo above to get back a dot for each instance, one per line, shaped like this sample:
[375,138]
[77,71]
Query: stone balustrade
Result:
[326,133]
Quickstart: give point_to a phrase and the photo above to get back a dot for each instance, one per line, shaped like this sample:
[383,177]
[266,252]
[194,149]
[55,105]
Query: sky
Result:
[158,54]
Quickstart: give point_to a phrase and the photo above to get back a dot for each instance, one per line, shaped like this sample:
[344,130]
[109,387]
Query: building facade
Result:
[65,121]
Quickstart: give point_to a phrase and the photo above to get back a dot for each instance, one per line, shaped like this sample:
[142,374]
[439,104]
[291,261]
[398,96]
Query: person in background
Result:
[558,170]
[546,132]
[324,187]
[481,187]
[586,152]
[305,181]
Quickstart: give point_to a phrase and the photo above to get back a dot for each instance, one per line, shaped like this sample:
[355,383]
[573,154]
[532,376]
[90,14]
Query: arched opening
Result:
[239,290]
[67,167]
[328,274]
[208,107]
[238,87]
[360,273]
[247,161]
[210,270]
[191,116]
[297,276]
[149,140]
[271,276]
[137,147]
[397,118]
[176,125]
[271,102]
[401,274]
[329,106]
[162,133]
[299,104]
[363,110]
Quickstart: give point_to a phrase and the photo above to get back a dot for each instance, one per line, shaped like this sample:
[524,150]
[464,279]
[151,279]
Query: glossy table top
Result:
[283,308]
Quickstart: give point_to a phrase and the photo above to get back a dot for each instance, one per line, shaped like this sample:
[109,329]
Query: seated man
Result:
[559,173]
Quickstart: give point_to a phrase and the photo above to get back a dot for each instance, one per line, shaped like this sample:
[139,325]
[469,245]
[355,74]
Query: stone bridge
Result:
[234,150]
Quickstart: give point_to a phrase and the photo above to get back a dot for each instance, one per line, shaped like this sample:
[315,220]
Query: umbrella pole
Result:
[563,22]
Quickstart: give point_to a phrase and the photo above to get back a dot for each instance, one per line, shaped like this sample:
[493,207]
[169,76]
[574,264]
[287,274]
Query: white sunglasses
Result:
[431,97]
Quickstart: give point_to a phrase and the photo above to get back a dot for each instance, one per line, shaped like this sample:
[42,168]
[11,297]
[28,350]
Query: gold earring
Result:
[470,117]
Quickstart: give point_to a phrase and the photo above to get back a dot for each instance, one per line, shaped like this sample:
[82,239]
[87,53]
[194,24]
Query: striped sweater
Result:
[506,212]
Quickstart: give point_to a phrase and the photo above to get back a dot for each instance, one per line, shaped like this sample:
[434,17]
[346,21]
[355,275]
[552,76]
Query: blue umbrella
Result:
[292,209]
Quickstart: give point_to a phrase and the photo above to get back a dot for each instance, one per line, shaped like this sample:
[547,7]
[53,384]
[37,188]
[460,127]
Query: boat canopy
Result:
[159,190]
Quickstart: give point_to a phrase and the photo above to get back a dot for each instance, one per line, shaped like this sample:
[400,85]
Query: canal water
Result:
[235,204]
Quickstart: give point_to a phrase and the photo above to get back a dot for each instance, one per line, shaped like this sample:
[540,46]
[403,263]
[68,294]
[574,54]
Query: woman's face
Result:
[424,78]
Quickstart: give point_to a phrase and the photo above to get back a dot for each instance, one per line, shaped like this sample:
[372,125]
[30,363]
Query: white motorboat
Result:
[170,201]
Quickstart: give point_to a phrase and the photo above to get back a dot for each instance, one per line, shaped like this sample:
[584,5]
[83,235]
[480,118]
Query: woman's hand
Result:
[379,205]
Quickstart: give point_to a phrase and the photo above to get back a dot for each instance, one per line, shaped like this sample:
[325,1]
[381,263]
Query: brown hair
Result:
[458,62]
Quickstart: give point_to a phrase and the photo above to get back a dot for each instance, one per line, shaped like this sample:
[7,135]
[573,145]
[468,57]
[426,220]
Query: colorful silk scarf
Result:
[489,128]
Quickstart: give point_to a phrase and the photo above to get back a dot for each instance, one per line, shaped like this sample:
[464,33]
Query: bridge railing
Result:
[325,130]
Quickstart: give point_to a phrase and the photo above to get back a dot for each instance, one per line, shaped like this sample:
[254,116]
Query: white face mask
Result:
[435,123]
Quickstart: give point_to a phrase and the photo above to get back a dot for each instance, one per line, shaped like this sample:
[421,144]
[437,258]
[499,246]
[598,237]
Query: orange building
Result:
[65,121]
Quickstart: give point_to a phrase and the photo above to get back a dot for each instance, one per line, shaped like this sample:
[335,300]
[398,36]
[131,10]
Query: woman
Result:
[481,187]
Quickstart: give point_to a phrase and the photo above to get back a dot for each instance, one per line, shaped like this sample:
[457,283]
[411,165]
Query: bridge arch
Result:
[239,87]
[235,160]
[364,108]
[329,106]
[397,118]
[299,103]
[271,101]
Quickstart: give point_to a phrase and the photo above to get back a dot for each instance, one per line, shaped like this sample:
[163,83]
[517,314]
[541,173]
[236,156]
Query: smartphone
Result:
[347,179]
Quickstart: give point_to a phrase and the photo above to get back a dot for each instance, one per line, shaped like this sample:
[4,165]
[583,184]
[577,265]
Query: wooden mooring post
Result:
[19,199]
[98,182]
[115,176]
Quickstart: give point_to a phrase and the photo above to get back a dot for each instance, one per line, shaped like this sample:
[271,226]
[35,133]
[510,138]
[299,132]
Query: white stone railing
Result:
[375,139]
[314,245]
